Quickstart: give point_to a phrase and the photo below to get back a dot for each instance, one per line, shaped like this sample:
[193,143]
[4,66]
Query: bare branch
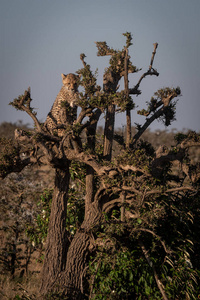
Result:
[172,190]
[153,55]
[133,168]
[151,71]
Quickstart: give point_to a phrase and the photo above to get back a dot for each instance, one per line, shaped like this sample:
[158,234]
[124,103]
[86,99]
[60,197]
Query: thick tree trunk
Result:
[57,242]
[71,280]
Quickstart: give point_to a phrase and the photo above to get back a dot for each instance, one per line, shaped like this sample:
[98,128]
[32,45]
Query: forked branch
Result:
[151,71]
[23,103]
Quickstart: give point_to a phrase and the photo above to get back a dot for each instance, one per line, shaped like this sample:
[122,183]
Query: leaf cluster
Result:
[23,101]
[37,232]
[121,270]
[141,155]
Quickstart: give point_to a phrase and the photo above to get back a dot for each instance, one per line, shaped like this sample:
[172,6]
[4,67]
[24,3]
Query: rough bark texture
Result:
[109,132]
[71,281]
[56,246]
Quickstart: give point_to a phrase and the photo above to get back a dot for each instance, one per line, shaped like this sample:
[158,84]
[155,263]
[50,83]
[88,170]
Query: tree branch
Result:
[128,111]
[165,103]
[23,103]
[151,71]
[18,166]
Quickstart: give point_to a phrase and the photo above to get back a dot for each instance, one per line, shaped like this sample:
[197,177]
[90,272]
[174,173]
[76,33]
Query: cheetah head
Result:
[70,81]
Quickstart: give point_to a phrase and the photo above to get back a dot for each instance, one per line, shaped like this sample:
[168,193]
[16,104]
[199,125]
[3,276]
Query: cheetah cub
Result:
[64,109]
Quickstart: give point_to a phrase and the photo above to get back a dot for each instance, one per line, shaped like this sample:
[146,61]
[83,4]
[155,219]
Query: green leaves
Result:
[125,275]
[128,39]
[37,233]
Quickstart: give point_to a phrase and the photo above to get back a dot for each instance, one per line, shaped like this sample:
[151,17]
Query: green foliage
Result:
[163,97]
[119,269]
[128,39]
[125,276]
[165,223]
[169,114]
[191,136]
[88,79]
[103,49]
[181,281]
[37,233]
[75,211]
[141,155]
[23,102]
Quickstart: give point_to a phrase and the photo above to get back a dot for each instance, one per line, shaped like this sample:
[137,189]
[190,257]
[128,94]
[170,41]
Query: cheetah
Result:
[64,109]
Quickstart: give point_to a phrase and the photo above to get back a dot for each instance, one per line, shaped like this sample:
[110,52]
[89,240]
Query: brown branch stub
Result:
[153,55]
[82,56]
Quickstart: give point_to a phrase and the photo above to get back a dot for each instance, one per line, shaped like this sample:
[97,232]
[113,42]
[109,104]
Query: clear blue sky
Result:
[41,39]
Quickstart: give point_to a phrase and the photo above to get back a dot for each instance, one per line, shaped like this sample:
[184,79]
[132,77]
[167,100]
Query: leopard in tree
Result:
[64,109]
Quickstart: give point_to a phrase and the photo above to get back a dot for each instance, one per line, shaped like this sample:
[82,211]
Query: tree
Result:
[127,198]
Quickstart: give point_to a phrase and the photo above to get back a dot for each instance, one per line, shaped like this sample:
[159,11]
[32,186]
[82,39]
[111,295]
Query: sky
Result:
[41,39]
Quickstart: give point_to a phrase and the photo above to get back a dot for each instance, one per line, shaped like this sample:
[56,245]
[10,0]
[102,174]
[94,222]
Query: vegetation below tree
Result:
[25,207]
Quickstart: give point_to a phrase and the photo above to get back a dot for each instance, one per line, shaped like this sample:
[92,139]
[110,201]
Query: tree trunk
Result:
[57,241]
[72,279]
[109,132]
[128,128]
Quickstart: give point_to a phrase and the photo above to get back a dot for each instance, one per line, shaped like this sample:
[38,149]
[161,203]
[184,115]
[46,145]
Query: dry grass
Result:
[20,288]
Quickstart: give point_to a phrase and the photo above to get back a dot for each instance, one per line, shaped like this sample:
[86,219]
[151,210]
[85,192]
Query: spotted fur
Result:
[64,109]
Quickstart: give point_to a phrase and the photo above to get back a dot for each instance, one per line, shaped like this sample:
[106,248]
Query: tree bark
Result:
[109,132]
[128,111]
[71,281]
[57,241]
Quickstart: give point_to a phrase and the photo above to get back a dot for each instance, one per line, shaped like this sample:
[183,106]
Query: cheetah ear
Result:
[63,75]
